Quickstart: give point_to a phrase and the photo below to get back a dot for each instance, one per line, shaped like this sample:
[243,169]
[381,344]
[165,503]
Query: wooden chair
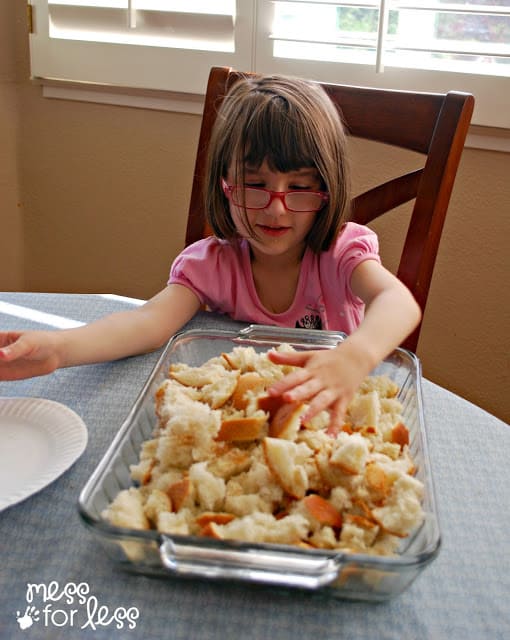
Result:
[432,124]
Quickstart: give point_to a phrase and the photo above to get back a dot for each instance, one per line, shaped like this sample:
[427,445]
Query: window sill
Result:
[120,96]
[479,137]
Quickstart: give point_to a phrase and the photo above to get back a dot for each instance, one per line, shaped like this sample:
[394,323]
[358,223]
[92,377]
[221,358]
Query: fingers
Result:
[293,358]
[290,382]
[26,354]
[8,337]
[301,386]
[320,401]
[322,379]
[338,411]
[16,346]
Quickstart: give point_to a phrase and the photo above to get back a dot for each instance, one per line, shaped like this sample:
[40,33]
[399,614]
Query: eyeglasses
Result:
[259,198]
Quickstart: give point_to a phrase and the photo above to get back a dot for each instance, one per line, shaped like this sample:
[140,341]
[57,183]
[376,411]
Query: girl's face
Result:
[275,231]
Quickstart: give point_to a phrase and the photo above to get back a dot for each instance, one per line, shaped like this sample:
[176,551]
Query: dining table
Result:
[57,582]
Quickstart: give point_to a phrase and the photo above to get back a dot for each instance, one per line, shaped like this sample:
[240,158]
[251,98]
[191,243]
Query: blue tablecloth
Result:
[464,594]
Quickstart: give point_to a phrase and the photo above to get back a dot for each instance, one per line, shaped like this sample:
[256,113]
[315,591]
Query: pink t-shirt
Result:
[219,273]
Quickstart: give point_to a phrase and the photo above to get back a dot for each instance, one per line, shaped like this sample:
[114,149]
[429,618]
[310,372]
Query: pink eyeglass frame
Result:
[228,189]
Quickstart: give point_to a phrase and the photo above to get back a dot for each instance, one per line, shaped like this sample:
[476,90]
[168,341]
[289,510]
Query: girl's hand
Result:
[329,378]
[24,354]
[326,379]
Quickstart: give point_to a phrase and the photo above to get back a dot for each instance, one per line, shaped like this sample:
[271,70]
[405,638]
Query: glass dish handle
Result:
[311,338]
[253,565]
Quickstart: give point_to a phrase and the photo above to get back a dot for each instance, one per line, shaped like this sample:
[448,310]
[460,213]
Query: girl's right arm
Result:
[32,353]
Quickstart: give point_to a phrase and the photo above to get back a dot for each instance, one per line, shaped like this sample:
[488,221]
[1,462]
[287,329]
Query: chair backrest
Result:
[435,125]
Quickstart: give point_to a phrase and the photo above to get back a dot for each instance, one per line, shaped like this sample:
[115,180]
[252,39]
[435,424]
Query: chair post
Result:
[434,192]
[216,89]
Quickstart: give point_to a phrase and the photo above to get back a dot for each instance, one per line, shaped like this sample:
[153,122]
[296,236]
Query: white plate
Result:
[39,440]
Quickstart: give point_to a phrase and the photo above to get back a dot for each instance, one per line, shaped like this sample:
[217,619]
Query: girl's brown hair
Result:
[290,123]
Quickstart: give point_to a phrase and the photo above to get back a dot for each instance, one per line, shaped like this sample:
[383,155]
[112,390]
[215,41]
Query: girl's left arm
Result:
[391,312]
[328,379]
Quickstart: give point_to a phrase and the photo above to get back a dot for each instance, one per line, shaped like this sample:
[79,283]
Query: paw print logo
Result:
[26,620]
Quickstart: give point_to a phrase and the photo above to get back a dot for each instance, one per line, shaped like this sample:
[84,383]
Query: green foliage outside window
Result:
[364,20]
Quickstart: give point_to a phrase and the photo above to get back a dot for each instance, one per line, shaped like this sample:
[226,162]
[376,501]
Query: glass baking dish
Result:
[341,574]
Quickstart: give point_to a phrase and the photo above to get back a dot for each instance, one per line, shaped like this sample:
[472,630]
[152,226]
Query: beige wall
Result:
[94,198]
[11,215]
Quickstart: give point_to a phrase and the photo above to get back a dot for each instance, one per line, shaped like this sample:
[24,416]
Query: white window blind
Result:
[470,36]
[426,45]
[155,44]
[152,23]
[434,45]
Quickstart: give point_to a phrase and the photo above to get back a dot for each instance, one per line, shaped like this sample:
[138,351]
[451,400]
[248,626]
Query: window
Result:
[433,45]
[151,44]
[456,36]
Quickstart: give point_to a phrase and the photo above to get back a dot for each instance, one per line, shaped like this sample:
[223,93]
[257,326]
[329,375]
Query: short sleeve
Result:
[354,244]
[208,268]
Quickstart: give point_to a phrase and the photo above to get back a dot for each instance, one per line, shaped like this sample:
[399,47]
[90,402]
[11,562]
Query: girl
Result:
[282,254]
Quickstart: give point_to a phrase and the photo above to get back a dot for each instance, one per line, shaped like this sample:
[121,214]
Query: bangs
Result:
[276,135]
[290,124]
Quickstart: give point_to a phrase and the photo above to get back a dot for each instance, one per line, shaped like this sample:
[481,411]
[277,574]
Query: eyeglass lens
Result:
[254,198]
